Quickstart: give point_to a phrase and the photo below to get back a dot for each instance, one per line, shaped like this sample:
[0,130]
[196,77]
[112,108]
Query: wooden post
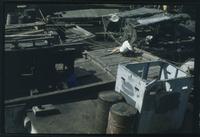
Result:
[105,100]
[8,19]
[122,119]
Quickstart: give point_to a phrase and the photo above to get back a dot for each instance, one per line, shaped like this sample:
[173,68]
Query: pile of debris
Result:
[39,51]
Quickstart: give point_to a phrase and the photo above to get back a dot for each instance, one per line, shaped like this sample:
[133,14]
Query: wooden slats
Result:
[110,63]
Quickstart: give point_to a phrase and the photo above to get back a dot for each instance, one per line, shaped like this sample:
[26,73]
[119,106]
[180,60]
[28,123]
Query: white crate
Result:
[158,90]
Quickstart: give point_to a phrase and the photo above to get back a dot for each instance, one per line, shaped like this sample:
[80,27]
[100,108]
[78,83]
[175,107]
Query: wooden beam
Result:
[63,96]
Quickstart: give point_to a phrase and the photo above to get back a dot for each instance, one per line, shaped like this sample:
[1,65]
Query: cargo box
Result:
[158,90]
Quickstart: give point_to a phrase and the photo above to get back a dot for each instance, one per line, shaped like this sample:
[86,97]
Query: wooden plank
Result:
[66,46]
[115,61]
[86,13]
[110,63]
[90,73]
[30,39]
[26,35]
[15,26]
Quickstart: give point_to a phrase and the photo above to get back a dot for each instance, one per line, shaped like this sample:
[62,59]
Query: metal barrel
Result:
[123,119]
[105,100]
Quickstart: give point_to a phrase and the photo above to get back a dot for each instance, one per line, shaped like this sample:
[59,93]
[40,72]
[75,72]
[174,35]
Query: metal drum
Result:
[122,119]
[105,100]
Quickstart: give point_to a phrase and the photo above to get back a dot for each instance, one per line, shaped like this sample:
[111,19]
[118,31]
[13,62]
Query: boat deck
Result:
[78,115]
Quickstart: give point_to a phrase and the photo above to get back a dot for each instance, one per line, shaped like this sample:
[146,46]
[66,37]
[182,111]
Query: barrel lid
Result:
[110,96]
[123,109]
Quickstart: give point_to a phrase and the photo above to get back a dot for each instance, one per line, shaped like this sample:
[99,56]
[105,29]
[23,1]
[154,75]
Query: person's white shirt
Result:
[125,47]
